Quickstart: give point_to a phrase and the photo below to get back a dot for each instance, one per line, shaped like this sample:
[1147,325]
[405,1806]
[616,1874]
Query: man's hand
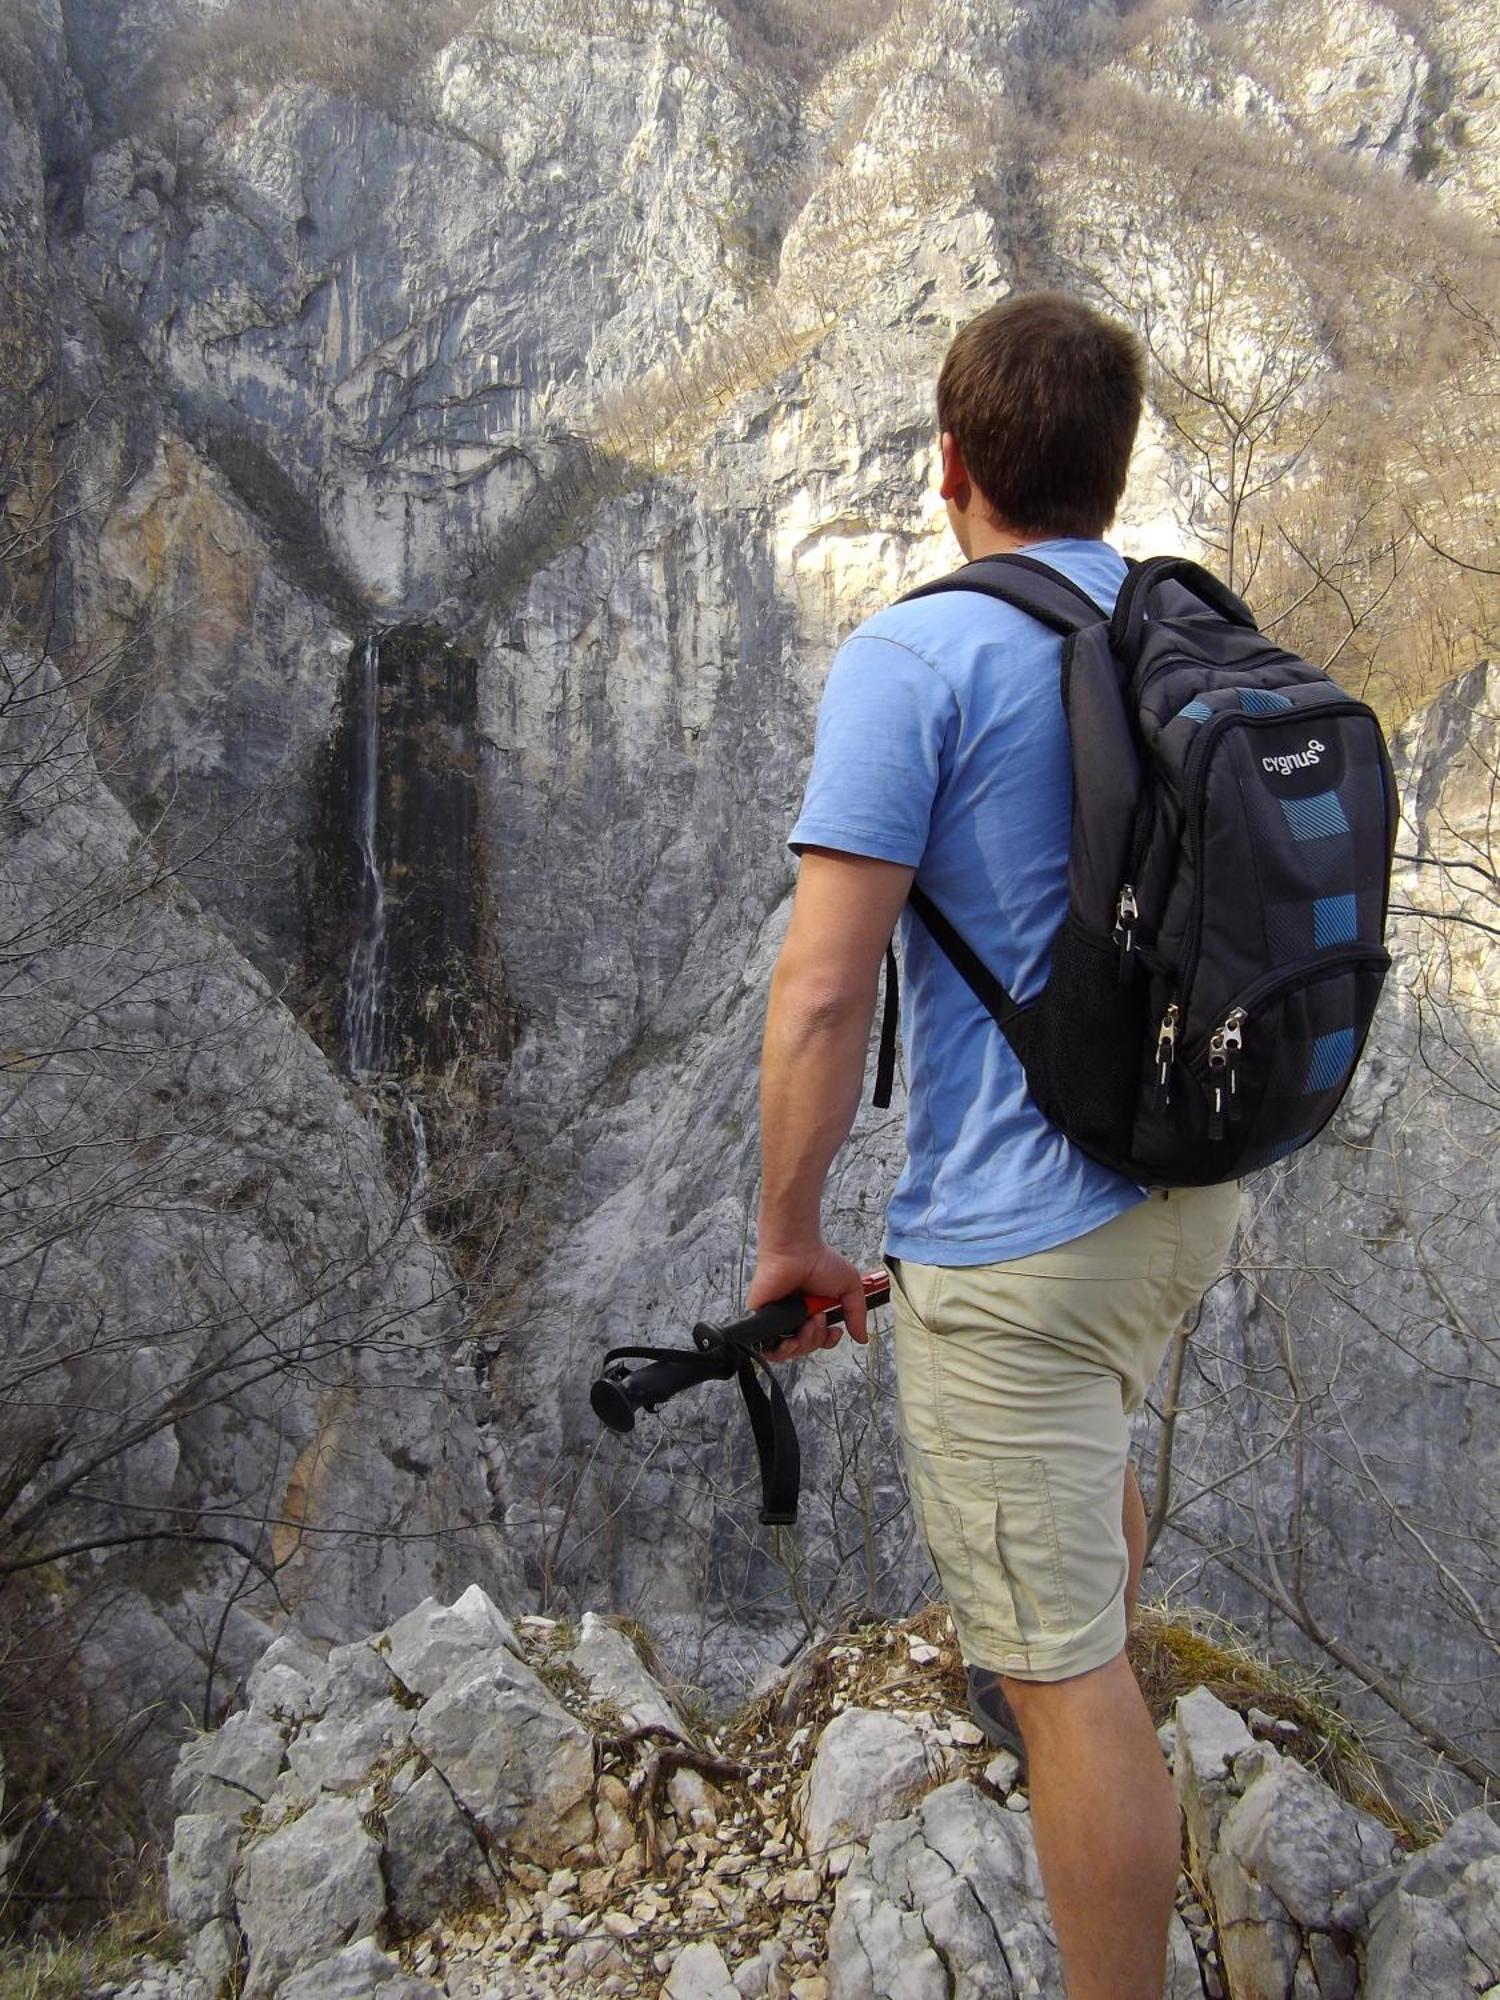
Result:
[821,1273]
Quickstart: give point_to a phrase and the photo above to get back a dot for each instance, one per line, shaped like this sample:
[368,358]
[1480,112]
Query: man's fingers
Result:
[813,1333]
[854,1313]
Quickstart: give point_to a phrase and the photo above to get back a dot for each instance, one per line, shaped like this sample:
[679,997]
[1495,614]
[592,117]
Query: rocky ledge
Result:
[459,1806]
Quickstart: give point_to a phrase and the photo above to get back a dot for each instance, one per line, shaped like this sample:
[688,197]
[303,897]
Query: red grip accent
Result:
[877,1286]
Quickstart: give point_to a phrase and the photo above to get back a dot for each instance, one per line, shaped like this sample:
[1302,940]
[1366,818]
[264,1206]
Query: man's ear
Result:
[955,484]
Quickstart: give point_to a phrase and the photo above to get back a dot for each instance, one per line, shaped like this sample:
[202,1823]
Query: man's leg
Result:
[1015,1383]
[1107,1831]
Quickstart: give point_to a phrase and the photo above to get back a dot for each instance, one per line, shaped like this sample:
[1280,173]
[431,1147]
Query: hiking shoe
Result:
[993,1714]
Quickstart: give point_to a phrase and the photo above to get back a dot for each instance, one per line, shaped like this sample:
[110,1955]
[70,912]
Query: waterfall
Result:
[364,989]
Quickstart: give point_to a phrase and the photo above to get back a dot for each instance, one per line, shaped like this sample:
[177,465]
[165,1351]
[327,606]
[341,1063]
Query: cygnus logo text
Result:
[1295,760]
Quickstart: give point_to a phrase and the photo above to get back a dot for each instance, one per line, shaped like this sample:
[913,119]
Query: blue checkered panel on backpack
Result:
[1316,892]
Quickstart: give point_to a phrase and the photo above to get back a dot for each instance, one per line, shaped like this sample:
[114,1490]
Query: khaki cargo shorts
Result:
[1015,1381]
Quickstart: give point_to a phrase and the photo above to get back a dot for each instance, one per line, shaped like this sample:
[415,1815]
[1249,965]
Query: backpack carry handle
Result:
[1127,625]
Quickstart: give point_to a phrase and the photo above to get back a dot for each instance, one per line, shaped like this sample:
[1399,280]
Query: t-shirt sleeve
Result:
[877,755]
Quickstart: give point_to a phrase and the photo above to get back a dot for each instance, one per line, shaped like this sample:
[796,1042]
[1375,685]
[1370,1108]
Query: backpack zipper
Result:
[1166,1053]
[1224,1046]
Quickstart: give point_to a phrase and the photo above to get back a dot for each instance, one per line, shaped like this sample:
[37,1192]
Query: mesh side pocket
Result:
[1080,1043]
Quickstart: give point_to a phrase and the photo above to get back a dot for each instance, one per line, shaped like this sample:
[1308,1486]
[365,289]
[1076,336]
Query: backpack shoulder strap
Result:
[1025,584]
[1059,603]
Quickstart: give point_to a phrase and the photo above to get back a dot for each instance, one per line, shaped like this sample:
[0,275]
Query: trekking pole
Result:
[717,1353]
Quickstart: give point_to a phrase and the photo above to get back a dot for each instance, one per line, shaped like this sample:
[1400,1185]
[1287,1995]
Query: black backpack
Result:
[1234,814]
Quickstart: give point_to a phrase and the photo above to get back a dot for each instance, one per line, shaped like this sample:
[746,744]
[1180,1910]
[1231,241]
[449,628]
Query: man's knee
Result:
[1040,1706]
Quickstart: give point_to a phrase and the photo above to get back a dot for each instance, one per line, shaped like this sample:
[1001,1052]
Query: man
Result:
[1034,1291]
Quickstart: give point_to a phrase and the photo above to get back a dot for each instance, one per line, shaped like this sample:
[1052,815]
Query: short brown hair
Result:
[1044,396]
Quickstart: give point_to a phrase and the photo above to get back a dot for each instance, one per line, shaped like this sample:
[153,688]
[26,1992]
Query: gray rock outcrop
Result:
[869,1766]
[370,1801]
[933,1887]
[233,1330]
[950,1894]
[1315,1900]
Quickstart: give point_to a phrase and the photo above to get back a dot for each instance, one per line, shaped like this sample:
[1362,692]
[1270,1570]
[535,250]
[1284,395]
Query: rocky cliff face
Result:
[229,1384]
[600,346]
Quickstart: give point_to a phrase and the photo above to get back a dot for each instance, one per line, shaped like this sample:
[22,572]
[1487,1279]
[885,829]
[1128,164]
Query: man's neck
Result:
[988,539]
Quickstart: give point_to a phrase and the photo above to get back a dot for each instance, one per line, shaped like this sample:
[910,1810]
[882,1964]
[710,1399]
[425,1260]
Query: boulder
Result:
[230,1770]
[870,1766]
[435,1641]
[1207,1737]
[615,1672]
[356,1676]
[337,1752]
[434,1861]
[289,1680]
[1184,1978]
[945,1904]
[200,1869]
[509,1753]
[1307,1845]
[1437,1931]
[306,1890]
[362,1971]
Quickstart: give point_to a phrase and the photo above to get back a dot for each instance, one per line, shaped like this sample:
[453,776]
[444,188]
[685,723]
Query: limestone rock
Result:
[1438,1930]
[232,1768]
[1184,1979]
[200,1869]
[699,1973]
[362,1971]
[356,1675]
[337,1753]
[615,1672]
[945,1904]
[1259,1942]
[434,1861]
[435,1641]
[869,1766]
[519,1762]
[1209,1736]
[306,1890]
[214,1957]
[1301,1840]
[763,1977]
[283,1695]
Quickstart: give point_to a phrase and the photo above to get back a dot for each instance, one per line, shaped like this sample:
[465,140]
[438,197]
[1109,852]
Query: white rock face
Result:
[615,1672]
[305,1890]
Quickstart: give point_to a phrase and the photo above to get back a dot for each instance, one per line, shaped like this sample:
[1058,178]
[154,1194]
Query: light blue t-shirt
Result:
[941,743]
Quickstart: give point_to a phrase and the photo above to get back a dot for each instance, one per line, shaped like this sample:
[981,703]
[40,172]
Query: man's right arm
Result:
[812,1070]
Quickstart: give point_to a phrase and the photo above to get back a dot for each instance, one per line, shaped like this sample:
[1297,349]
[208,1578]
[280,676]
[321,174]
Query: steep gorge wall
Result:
[336,359]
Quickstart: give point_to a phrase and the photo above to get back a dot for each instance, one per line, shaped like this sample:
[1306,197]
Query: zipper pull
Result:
[1126,912]
[1234,1041]
[1166,1052]
[1223,1048]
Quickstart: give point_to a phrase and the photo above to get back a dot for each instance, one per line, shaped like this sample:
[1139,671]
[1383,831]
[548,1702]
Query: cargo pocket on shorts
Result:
[990,1530]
